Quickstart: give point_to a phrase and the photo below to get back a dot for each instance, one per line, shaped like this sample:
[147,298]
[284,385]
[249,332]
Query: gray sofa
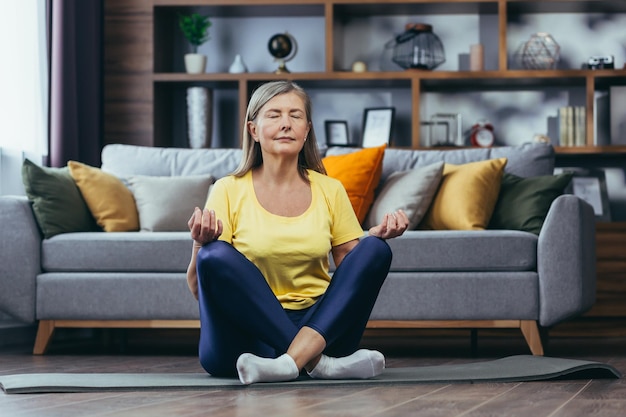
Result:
[458,279]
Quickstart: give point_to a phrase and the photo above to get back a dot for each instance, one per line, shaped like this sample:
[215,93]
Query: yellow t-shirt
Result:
[291,252]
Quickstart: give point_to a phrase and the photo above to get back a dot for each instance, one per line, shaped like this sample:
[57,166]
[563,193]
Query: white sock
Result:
[252,368]
[361,364]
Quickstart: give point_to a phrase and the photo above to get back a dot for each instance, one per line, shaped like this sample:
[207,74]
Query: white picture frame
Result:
[377,126]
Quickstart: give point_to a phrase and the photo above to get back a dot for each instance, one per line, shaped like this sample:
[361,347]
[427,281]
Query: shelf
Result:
[522,77]
[407,7]
[593,150]
[565,6]
[507,74]
[611,227]
[245,8]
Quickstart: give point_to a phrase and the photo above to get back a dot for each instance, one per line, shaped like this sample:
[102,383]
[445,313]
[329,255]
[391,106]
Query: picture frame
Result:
[337,133]
[377,126]
[590,185]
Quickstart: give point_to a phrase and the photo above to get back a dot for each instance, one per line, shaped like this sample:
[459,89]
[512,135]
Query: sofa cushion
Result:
[412,191]
[463,250]
[458,296]
[111,203]
[527,160]
[126,160]
[116,252]
[115,296]
[460,250]
[466,196]
[165,204]
[57,203]
[523,203]
[359,172]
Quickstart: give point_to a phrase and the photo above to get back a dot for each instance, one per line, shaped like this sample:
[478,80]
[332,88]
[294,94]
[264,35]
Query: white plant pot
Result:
[195,63]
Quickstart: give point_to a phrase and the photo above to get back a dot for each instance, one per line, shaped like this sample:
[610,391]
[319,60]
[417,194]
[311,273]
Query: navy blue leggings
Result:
[240,313]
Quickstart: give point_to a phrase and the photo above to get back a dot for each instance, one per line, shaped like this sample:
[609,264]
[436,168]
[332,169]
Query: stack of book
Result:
[572,126]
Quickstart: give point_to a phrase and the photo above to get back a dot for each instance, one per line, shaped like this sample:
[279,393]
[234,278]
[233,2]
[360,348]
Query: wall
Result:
[128,72]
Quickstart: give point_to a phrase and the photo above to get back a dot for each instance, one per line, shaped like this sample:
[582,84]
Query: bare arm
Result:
[192,274]
[339,252]
[204,228]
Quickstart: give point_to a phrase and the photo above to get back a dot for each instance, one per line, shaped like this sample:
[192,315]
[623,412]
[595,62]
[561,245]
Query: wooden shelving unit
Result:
[169,80]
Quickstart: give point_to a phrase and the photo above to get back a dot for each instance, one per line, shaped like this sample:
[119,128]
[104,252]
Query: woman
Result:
[259,265]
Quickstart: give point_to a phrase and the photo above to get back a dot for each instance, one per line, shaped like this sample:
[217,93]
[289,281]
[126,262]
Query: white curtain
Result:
[23,89]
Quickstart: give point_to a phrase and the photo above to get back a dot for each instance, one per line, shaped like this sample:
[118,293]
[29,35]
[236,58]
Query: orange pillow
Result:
[359,172]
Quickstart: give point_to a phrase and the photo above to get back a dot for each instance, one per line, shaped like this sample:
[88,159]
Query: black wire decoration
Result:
[417,48]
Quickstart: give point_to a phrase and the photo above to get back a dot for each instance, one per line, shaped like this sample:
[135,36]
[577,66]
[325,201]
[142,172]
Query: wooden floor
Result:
[175,352]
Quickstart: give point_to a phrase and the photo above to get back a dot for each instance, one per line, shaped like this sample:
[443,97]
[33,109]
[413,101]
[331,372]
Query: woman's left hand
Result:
[392,225]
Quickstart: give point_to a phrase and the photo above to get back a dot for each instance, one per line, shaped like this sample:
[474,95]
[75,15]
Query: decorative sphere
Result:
[280,46]
[541,51]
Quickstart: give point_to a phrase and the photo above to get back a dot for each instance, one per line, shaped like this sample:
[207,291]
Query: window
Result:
[24,89]
[23,76]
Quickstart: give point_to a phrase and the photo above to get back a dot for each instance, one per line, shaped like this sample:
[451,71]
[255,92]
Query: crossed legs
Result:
[244,327]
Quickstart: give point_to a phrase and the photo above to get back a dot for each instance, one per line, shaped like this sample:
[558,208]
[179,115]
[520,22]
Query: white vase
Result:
[199,117]
[238,66]
[195,63]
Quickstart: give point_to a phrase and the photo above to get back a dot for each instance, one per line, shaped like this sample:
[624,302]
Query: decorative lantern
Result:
[418,48]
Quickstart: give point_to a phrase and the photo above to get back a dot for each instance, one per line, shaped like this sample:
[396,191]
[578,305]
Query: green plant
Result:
[195,27]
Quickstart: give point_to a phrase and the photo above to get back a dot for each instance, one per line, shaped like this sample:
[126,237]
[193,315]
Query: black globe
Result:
[280,46]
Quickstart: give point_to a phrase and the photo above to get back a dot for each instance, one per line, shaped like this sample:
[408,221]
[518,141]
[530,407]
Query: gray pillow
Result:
[165,204]
[412,191]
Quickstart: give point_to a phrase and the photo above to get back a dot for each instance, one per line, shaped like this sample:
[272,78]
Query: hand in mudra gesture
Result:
[204,226]
[392,225]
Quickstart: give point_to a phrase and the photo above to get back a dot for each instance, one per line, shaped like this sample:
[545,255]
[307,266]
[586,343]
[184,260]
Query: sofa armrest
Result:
[566,260]
[20,257]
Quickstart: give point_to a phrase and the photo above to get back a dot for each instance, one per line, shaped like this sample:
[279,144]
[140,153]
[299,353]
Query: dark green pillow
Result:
[523,203]
[57,203]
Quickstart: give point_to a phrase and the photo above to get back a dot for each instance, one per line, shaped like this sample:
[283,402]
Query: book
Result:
[563,127]
[580,132]
[618,115]
[572,126]
[602,119]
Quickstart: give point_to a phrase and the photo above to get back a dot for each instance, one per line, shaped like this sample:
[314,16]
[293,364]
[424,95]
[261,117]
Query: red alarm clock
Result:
[482,135]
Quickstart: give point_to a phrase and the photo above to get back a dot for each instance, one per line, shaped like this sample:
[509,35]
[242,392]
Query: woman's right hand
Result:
[204,226]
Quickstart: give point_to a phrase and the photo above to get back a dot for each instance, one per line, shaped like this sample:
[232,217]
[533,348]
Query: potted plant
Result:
[195,28]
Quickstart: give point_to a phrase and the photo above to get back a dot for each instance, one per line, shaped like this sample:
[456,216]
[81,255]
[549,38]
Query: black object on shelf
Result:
[418,48]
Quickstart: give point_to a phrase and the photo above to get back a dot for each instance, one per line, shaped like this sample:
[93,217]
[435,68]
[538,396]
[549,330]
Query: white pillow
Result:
[412,191]
[165,204]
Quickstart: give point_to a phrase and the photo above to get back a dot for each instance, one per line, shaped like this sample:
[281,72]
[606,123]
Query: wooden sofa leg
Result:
[530,330]
[44,335]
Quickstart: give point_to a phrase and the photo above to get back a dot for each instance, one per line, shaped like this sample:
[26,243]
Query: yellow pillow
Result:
[466,197]
[111,203]
[359,172]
